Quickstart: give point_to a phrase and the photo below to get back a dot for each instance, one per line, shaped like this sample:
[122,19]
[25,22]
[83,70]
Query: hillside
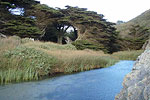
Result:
[134,33]
[142,20]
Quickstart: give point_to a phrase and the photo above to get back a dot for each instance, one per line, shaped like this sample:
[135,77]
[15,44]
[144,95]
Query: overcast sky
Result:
[113,10]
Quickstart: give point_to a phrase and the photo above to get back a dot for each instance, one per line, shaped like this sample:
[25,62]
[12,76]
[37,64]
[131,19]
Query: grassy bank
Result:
[24,59]
[127,55]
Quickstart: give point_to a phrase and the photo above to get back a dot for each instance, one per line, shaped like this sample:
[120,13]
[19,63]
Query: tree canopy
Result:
[51,24]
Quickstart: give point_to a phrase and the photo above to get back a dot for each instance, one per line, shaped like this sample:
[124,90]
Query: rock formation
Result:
[136,85]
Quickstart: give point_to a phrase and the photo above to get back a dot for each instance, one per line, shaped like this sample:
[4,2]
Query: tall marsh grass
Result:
[80,60]
[127,55]
[9,43]
[24,60]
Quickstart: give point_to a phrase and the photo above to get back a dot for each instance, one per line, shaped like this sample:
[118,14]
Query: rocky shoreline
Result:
[136,85]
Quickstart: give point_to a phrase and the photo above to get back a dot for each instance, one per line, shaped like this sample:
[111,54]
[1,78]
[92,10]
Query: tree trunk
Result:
[59,39]
[68,40]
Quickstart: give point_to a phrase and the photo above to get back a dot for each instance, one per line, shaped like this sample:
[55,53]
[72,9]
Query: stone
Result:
[136,85]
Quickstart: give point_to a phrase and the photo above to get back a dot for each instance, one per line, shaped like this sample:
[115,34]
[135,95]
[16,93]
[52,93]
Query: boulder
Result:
[136,85]
[146,44]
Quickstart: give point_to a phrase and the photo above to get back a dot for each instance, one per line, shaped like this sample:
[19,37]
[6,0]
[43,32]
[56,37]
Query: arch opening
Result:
[60,33]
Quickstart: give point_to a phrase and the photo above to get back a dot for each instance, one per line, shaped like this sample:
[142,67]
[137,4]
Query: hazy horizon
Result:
[112,10]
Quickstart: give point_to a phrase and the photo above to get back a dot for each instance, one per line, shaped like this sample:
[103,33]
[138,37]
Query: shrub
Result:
[84,44]
[26,63]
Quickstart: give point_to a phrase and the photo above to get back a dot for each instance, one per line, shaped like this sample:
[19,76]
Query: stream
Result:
[98,84]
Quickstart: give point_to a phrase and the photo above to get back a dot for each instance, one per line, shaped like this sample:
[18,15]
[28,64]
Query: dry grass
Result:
[22,59]
[9,43]
[49,45]
[77,60]
[74,53]
[127,55]
[72,60]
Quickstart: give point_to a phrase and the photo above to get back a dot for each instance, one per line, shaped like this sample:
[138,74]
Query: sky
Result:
[113,10]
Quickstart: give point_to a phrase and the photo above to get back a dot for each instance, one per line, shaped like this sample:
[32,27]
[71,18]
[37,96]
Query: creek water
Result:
[98,84]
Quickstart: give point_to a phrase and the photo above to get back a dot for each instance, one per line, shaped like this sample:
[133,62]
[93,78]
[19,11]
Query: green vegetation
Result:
[134,33]
[22,27]
[24,59]
[54,23]
[127,55]
[85,44]
[142,20]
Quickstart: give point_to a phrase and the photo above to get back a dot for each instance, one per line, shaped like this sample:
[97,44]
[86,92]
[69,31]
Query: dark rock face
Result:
[136,85]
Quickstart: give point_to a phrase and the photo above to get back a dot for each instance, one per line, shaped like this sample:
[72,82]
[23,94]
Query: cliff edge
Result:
[136,85]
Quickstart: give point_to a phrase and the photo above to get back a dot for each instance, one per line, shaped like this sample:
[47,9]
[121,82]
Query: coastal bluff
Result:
[136,85]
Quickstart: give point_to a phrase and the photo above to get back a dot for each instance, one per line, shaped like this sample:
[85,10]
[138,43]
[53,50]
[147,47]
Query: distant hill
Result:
[135,32]
[119,22]
[142,20]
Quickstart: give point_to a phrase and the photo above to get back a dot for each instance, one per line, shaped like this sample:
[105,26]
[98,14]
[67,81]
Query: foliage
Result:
[6,4]
[51,24]
[135,32]
[23,59]
[85,44]
[20,25]
[23,27]
[18,3]
[142,20]
[81,15]
[25,63]
[99,31]
[127,55]
[137,37]
[47,9]
[32,60]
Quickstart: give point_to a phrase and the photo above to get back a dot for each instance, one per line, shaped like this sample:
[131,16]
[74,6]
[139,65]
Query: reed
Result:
[9,43]
[25,60]
[127,55]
